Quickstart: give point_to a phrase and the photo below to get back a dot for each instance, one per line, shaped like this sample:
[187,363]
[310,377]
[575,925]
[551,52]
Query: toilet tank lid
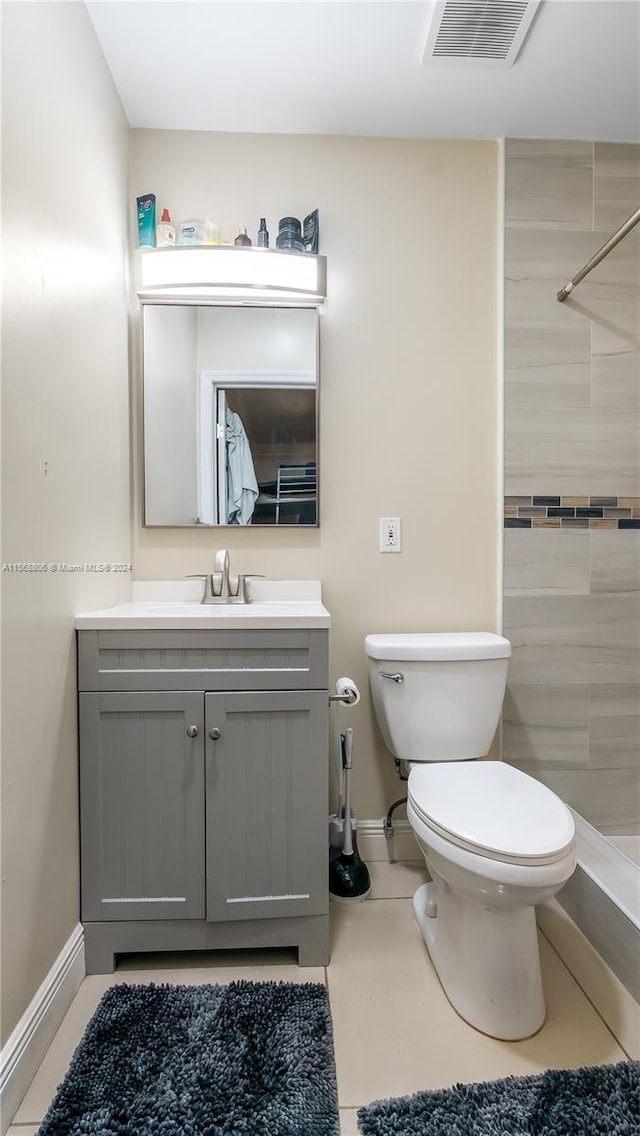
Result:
[437,645]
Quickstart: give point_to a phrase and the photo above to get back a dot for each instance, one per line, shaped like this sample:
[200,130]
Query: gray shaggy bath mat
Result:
[251,1058]
[600,1101]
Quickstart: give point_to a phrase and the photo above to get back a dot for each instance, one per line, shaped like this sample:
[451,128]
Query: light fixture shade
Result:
[220,271]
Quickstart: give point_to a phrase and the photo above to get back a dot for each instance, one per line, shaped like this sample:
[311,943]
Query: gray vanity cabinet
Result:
[265,775]
[142,792]
[203,801]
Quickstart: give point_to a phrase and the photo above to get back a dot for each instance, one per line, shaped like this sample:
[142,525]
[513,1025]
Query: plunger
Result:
[349,880]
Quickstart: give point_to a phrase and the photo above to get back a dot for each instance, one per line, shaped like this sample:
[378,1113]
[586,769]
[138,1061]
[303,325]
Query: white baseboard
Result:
[21,1056]
[373,844]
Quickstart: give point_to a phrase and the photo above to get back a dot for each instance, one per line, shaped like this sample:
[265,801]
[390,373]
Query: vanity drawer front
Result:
[202,660]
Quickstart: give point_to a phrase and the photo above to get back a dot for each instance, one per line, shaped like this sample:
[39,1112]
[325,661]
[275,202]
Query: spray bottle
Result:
[165,232]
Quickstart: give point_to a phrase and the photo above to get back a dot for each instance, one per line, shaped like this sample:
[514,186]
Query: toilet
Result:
[496,841]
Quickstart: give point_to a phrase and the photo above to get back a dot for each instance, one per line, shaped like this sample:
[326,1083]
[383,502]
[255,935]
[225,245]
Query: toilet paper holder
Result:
[349,697]
[346,692]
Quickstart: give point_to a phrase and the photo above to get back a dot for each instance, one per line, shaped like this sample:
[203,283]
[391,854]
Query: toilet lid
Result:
[492,809]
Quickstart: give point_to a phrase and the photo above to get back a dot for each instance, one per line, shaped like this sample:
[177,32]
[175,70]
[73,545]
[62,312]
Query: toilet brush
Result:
[336,820]
[349,880]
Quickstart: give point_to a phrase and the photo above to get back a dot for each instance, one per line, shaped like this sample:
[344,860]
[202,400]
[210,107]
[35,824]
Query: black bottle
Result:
[263,234]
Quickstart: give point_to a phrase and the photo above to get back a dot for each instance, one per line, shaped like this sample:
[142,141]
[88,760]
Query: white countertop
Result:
[165,604]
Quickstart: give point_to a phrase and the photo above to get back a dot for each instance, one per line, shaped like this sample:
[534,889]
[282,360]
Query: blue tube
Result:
[147,220]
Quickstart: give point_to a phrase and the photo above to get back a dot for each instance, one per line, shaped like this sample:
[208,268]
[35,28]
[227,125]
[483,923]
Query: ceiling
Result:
[342,67]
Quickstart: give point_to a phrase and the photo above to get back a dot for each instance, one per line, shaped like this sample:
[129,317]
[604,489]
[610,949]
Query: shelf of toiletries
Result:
[190,262]
[293,234]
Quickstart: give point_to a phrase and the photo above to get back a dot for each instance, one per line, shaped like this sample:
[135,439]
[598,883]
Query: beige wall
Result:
[65,402]
[572,411]
[409,376]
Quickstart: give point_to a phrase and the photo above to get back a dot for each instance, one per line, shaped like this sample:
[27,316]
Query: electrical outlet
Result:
[390,534]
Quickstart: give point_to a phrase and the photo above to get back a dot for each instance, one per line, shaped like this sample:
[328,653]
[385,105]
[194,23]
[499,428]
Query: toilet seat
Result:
[493,810]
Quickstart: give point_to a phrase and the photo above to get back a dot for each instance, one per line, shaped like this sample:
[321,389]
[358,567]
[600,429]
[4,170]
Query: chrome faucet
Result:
[221,574]
[220,587]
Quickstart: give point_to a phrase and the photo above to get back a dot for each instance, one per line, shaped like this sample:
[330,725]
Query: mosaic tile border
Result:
[576,512]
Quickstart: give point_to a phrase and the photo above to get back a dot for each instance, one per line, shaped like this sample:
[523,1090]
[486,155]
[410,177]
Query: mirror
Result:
[230,415]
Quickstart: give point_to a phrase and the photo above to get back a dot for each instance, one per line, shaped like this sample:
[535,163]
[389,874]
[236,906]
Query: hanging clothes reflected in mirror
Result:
[258,449]
[230,415]
[241,490]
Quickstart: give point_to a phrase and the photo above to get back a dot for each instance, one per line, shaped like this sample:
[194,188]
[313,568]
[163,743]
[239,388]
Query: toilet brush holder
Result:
[349,880]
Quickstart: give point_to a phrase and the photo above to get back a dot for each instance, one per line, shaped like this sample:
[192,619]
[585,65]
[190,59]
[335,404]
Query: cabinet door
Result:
[267,804]
[142,805]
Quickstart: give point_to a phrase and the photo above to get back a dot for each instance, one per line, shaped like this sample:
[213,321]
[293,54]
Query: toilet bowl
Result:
[496,841]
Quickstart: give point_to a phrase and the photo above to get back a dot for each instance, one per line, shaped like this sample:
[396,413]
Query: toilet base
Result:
[487,960]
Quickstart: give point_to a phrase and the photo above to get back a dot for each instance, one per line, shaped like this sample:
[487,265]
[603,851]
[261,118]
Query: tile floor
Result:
[394,1030]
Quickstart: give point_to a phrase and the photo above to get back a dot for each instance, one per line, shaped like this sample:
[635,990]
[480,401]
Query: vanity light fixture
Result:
[223,272]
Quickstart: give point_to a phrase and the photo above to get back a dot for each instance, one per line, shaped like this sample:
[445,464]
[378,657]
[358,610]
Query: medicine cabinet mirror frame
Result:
[230,414]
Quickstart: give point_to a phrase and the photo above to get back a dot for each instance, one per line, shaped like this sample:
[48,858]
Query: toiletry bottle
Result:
[243,238]
[165,232]
[263,234]
[146,220]
[210,231]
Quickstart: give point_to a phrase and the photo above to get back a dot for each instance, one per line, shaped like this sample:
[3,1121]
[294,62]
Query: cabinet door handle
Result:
[215,733]
[192,731]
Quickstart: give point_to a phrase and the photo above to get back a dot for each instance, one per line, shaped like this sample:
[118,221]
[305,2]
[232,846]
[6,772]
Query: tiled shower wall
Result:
[572,436]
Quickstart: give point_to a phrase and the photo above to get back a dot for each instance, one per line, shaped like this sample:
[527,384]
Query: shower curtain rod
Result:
[598,256]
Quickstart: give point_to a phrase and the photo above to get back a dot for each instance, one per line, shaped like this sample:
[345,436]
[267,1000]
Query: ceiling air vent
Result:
[478,34]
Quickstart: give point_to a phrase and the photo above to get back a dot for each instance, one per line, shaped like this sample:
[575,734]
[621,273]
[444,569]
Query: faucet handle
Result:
[242,584]
[207,591]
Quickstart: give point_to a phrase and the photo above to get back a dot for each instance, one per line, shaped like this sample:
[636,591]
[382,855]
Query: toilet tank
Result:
[443,694]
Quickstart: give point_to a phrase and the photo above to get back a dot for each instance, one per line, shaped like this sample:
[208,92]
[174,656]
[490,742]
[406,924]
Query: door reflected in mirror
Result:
[230,401]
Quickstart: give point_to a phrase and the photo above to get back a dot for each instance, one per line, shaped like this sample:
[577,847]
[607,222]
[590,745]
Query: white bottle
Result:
[165,232]
[210,231]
